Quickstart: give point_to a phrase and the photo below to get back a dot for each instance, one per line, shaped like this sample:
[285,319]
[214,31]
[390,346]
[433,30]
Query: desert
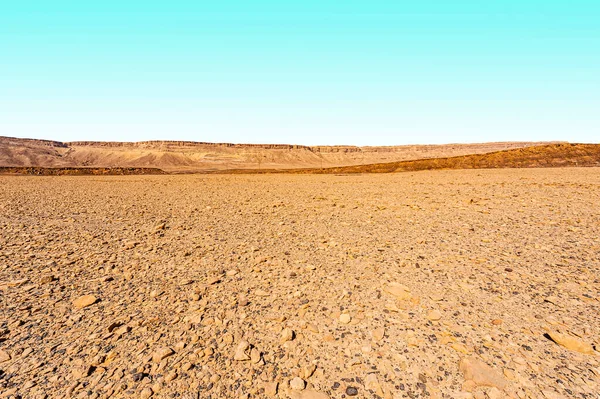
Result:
[431,284]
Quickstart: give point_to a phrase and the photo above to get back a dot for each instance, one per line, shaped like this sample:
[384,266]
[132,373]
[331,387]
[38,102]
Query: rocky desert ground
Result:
[433,284]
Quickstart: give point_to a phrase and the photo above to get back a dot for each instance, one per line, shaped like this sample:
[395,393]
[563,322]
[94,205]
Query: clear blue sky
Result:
[309,72]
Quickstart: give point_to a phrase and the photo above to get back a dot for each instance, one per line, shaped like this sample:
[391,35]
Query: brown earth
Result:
[438,284]
[182,156]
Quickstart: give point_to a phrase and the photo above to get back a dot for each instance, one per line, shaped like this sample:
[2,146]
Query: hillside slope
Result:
[551,155]
[184,156]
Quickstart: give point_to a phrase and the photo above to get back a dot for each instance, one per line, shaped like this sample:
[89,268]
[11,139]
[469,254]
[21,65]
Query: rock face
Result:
[233,286]
[186,156]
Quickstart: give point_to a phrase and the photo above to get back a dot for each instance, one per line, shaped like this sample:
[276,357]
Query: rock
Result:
[48,278]
[297,384]
[495,393]
[309,394]
[496,322]
[243,300]
[4,356]
[213,280]
[82,371]
[351,391]
[378,333]
[312,328]
[255,355]
[84,301]
[240,351]
[372,383]
[146,393]
[571,343]
[481,374]
[286,335]
[162,353]
[434,315]
[271,388]
[345,318]
[548,394]
[398,290]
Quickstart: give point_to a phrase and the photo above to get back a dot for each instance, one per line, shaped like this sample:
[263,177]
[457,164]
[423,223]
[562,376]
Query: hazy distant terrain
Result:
[183,156]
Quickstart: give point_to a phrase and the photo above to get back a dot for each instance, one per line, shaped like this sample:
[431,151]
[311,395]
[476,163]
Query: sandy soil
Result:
[445,284]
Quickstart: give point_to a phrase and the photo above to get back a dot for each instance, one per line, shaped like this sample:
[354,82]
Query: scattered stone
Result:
[84,301]
[481,374]
[297,383]
[398,290]
[161,354]
[345,318]
[351,391]
[240,352]
[48,278]
[287,335]
[4,356]
[378,333]
[308,394]
[571,343]
[271,388]
[146,393]
[434,315]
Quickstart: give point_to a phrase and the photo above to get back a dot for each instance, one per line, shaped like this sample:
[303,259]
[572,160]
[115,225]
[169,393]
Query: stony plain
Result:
[441,284]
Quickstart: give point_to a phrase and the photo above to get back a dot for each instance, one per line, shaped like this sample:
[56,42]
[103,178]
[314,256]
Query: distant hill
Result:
[186,156]
[544,156]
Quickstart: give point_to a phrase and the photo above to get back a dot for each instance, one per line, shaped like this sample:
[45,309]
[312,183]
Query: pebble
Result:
[161,354]
[345,318]
[146,393]
[571,343]
[434,315]
[297,383]
[4,356]
[240,351]
[84,301]
[286,335]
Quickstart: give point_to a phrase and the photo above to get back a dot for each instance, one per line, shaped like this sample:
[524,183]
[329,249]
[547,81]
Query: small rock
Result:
[309,394]
[286,335]
[345,318]
[240,352]
[481,374]
[571,343]
[297,383]
[378,333]
[351,391]
[146,393]
[4,356]
[434,315]
[271,388]
[84,301]
[255,355]
[47,279]
[162,353]
[398,290]
[496,322]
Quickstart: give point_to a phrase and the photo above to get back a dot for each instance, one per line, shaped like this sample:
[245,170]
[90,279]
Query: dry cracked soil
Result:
[444,284]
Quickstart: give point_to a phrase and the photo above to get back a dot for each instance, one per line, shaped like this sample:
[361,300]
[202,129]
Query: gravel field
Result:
[444,284]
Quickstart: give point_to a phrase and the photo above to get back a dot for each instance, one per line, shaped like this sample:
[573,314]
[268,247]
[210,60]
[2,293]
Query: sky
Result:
[314,72]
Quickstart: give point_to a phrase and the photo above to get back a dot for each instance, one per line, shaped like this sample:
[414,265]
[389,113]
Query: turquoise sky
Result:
[308,72]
